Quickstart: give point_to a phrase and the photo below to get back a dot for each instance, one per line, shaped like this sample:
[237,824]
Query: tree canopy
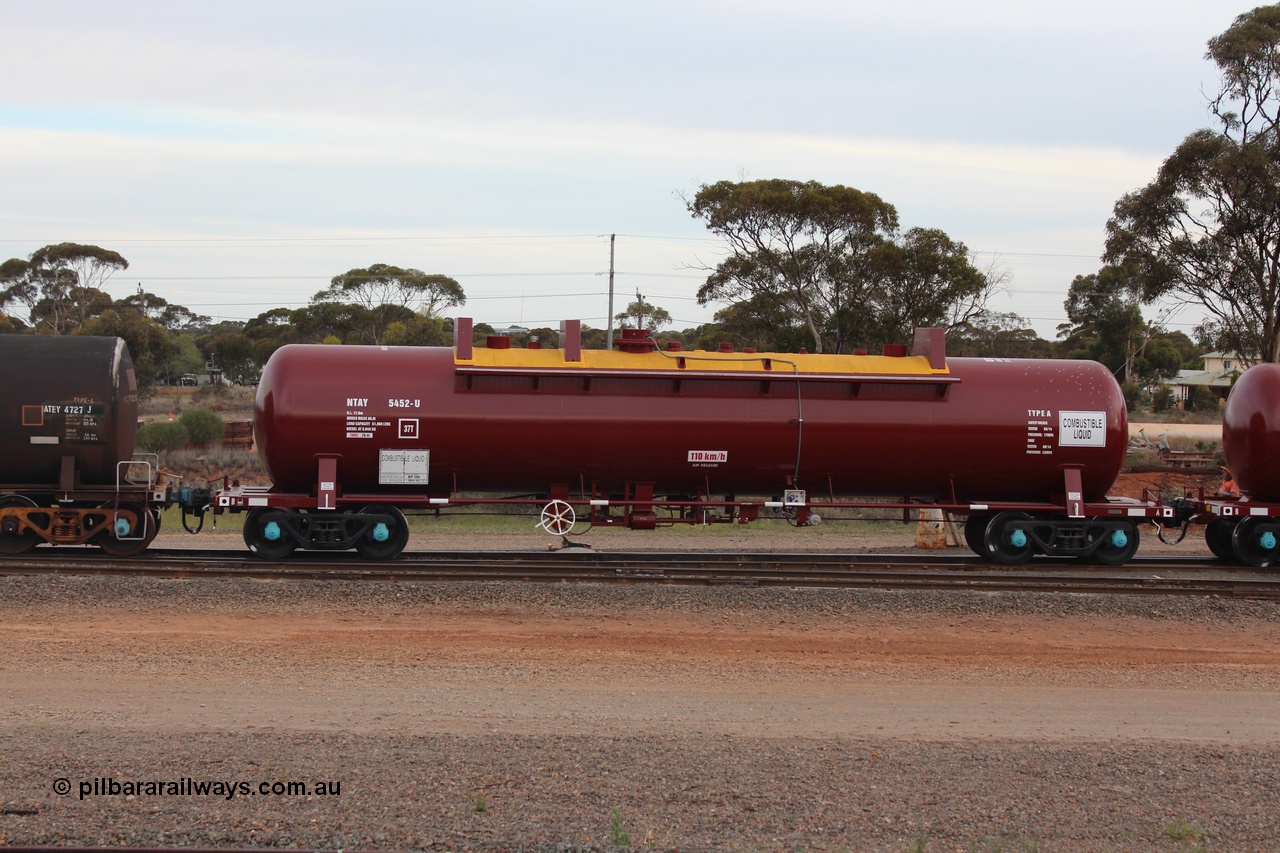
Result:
[389,294]
[917,277]
[93,265]
[1106,325]
[59,285]
[922,278]
[643,315]
[832,260]
[149,343]
[1207,229]
[175,318]
[997,335]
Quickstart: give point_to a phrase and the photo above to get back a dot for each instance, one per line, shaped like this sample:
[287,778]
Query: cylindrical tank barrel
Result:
[65,395]
[416,420]
[1251,432]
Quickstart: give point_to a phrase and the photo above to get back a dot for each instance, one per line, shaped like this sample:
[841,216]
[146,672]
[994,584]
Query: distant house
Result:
[1221,369]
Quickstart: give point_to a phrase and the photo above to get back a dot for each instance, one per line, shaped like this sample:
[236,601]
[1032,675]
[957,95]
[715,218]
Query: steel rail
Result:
[1186,576]
[575,556]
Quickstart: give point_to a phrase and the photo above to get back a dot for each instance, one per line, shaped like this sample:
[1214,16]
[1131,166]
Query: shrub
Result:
[1132,394]
[1201,400]
[211,391]
[1162,399]
[163,436]
[203,426]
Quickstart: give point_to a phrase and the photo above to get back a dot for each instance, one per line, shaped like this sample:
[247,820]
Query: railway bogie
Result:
[1013,538]
[1243,531]
[120,529]
[376,531]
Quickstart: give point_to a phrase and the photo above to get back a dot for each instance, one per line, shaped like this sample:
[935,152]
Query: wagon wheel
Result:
[384,541]
[975,531]
[108,539]
[1217,535]
[1118,545]
[266,537]
[1007,539]
[557,518]
[1256,543]
[17,543]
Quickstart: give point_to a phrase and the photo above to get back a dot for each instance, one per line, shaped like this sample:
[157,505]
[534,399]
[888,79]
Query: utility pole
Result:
[609,340]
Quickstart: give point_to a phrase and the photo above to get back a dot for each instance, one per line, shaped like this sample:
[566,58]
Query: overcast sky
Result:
[240,154]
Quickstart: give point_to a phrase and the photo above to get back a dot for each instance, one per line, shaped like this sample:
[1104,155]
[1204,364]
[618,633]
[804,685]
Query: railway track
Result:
[1185,576]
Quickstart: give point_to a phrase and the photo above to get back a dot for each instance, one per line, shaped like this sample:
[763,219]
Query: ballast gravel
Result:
[688,792]
[590,717]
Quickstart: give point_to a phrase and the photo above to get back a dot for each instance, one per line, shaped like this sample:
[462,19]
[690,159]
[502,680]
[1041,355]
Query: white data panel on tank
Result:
[1082,429]
[403,467]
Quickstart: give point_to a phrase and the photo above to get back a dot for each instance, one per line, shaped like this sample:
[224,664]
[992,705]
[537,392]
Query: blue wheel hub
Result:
[380,532]
[1267,541]
[1119,539]
[122,528]
[1018,538]
[271,531]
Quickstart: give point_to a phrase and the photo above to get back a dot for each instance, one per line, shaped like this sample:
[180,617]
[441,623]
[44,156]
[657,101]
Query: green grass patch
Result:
[1187,833]
[618,835]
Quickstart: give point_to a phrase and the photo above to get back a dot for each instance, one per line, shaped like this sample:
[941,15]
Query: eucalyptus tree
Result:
[641,314]
[1206,231]
[832,260]
[60,285]
[391,294]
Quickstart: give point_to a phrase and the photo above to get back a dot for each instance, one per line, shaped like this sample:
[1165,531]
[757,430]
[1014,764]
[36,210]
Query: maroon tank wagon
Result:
[637,437]
[68,418]
[1248,528]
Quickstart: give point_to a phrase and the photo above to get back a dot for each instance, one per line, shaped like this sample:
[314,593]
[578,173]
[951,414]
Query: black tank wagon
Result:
[68,420]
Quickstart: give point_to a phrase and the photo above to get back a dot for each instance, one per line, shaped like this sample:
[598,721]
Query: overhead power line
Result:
[447,239]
